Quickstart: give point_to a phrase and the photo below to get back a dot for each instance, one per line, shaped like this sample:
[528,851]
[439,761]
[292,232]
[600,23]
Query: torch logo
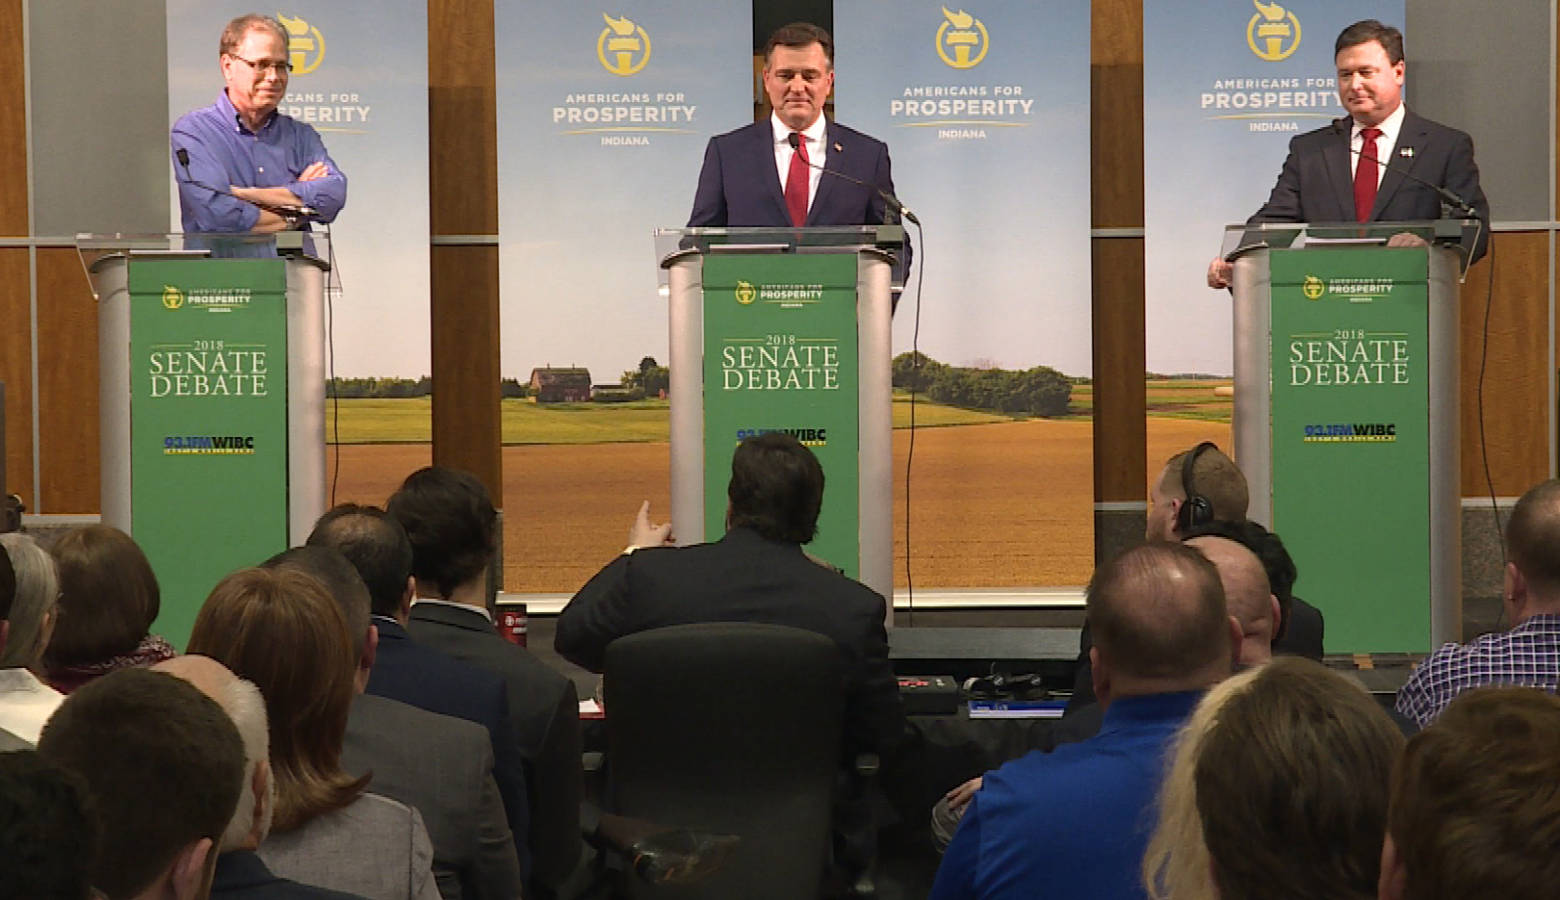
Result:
[1273,33]
[965,36]
[623,47]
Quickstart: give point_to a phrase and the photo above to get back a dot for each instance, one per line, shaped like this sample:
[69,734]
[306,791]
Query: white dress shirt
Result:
[1390,127]
[816,152]
[26,703]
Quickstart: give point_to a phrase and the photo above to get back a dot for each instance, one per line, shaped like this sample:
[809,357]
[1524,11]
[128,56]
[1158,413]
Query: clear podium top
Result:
[1239,239]
[673,244]
[294,244]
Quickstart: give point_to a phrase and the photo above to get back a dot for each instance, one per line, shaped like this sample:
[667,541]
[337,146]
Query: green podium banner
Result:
[1351,453]
[208,423]
[781,354]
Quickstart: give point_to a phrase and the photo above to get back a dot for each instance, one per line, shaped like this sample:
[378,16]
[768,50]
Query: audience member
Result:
[441,765]
[162,764]
[48,830]
[1067,823]
[8,741]
[240,873]
[1529,653]
[1277,791]
[1196,486]
[1475,808]
[108,600]
[279,629]
[1300,625]
[452,531]
[758,572]
[26,702]
[1246,593]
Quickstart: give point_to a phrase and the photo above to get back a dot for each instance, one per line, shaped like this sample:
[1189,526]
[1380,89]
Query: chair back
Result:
[730,727]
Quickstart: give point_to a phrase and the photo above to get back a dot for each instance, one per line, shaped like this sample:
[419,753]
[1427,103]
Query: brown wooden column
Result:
[463,187]
[1116,156]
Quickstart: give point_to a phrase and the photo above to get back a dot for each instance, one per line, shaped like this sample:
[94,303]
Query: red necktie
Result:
[796,184]
[1365,175]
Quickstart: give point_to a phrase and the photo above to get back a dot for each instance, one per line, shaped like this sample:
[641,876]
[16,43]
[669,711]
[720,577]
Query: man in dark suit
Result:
[747,175]
[449,528]
[399,732]
[757,572]
[1322,179]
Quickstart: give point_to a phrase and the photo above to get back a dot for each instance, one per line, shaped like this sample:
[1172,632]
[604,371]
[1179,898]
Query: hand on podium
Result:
[1406,239]
[1219,272]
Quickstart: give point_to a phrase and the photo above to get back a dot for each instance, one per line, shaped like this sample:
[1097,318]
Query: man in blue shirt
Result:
[1075,822]
[241,165]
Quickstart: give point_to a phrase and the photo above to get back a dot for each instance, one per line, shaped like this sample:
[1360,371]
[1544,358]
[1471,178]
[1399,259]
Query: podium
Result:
[212,401]
[1346,420]
[785,329]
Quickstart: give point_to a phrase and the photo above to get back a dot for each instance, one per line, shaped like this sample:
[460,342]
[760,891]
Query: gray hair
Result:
[246,707]
[37,593]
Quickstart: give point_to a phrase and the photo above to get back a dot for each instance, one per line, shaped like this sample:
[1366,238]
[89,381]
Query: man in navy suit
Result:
[1319,181]
[746,179]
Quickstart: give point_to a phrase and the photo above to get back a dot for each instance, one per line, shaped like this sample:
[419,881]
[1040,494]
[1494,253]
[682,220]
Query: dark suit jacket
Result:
[544,710]
[1316,184]
[1303,633]
[241,875]
[744,577]
[740,187]
[423,677]
[443,766]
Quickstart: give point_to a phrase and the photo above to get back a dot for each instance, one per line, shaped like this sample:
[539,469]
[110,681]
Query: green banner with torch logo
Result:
[1351,454]
[780,354]
[208,423]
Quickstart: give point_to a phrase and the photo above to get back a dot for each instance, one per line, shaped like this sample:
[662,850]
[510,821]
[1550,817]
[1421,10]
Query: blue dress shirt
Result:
[1071,823]
[223,151]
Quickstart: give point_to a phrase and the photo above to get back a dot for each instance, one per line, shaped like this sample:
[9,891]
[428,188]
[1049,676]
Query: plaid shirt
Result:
[1527,655]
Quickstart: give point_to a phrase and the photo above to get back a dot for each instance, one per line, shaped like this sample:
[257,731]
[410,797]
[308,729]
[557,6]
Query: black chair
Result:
[731,728]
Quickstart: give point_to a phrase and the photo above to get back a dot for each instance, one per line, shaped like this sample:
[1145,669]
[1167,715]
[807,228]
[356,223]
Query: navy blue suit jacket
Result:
[740,187]
[1317,184]
[420,676]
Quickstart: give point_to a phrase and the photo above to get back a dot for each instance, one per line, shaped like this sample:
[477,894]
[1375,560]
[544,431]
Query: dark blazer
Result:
[544,711]
[744,577]
[241,875]
[443,766]
[1303,633]
[421,676]
[740,187]
[1316,184]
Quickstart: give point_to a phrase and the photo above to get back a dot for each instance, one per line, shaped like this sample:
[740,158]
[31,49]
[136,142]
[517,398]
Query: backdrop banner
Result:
[1226,85]
[986,114]
[985,109]
[360,77]
[603,114]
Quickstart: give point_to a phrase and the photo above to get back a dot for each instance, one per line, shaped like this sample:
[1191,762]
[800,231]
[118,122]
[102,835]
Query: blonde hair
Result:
[1278,789]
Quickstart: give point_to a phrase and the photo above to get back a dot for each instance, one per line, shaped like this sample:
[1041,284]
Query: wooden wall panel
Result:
[13,122]
[1517,418]
[463,182]
[16,371]
[67,385]
[1116,194]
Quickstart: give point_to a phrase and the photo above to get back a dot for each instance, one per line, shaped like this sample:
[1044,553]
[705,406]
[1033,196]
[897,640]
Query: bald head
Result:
[1158,616]
[242,702]
[1246,594]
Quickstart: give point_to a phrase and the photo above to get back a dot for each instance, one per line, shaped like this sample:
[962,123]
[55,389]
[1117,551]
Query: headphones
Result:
[1196,510]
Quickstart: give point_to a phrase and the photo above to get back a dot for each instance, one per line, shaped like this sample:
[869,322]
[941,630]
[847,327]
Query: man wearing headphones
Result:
[1197,486]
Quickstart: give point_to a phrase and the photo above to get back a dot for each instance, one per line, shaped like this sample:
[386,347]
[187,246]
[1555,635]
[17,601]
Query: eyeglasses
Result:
[281,66]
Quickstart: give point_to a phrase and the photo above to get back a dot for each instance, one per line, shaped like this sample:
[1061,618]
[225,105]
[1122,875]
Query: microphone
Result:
[1449,198]
[795,139]
[285,210]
